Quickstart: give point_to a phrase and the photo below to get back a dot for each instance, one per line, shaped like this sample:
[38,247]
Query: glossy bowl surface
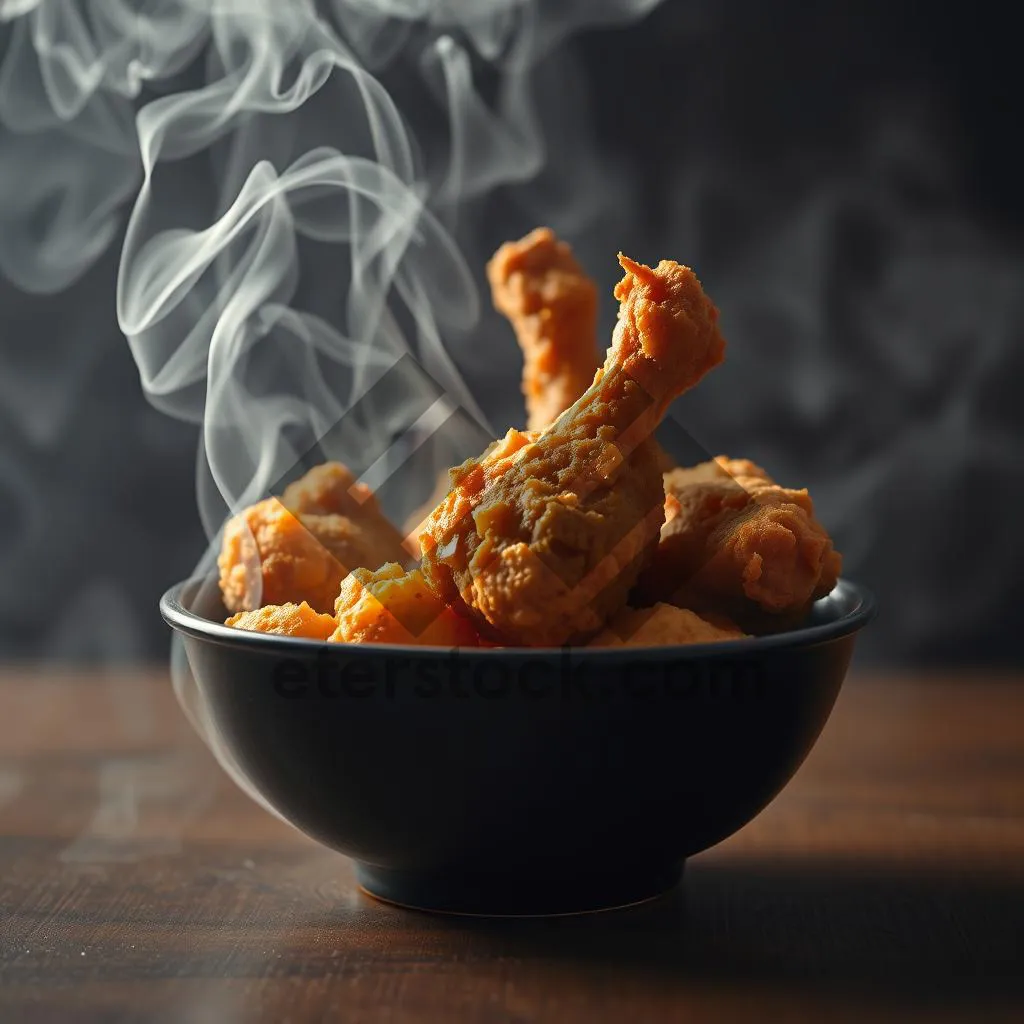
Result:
[515,781]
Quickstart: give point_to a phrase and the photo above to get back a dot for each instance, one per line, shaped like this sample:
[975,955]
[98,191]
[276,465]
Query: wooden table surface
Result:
[138,884]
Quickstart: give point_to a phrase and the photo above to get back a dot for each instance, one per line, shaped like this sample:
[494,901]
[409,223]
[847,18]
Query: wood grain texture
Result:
[137,884]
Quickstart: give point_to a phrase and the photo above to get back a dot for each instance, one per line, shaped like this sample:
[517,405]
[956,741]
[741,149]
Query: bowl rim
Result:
[184,620]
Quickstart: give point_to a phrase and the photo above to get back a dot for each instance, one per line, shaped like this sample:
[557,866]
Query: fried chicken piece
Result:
[330,489]
[737,542]
[302,547]
[552,306]
[661,625]
[392,606]
[287,620]
[541,539]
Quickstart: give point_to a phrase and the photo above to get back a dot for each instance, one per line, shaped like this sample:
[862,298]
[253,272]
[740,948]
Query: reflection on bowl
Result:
[516,780]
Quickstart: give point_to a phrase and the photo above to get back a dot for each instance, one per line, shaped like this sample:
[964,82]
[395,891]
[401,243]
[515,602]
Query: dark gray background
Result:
[845,182]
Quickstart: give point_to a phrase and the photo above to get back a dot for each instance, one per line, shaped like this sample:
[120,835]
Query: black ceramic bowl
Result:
[516,780]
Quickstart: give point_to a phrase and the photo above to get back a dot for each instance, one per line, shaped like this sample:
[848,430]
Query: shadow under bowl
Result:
[511,780]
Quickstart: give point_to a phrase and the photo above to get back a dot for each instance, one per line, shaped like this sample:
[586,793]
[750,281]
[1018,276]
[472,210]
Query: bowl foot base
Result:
[498,895]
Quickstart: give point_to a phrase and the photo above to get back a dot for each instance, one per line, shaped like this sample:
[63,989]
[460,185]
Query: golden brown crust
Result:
[330,489]
[271,557]
[286,620]
[301,547]
[392,606]
[663,624]
[737,542]
[541,538]
[552,306]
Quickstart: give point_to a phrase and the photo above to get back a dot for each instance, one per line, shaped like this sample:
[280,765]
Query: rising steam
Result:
[302,194]
[291,235]
[292,181]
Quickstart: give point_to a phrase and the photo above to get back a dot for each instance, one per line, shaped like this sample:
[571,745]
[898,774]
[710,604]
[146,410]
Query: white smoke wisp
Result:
[69,150]
[263,152]
[257,141]
[304,182]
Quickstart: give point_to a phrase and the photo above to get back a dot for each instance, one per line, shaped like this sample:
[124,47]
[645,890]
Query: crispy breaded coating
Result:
[287,620]
[662,624]
[330,489]
[392,606]
[737,542]
[552,306]
[299,548]
[271,556]
[541,539]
